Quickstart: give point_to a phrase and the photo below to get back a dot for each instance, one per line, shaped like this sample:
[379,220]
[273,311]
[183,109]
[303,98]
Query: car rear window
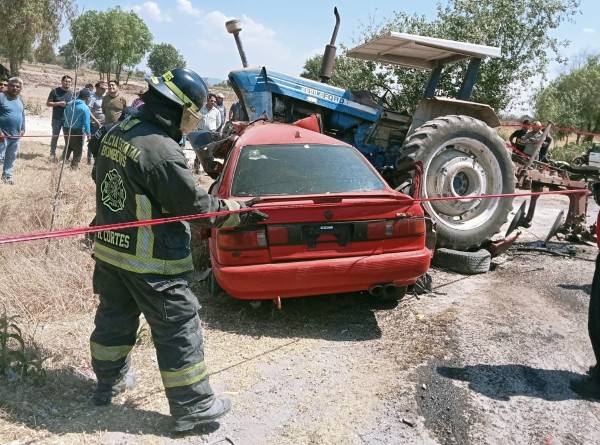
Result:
[302,169]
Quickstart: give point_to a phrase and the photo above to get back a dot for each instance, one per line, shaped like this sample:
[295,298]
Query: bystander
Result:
[58,99]
[236,112]
[113,103]
[12,125]
[221,107]
[211,116]
[77,126]
[3,87]
[96,114]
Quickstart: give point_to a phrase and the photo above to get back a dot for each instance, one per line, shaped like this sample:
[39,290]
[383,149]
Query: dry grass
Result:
[47,284]
[56,271]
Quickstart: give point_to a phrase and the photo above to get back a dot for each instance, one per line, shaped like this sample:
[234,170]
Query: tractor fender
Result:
[430,108]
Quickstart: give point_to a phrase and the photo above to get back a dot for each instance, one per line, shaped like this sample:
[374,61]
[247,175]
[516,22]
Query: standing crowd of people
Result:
[78,115]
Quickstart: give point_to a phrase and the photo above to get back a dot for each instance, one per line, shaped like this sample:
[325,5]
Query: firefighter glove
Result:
[243,218]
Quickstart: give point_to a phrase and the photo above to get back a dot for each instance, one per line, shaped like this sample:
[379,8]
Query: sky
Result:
[282,35]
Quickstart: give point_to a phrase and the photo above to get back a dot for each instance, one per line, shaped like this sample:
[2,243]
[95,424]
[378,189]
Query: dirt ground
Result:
[486,359]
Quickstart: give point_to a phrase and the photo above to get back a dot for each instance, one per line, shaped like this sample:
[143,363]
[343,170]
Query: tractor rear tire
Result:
[462,157]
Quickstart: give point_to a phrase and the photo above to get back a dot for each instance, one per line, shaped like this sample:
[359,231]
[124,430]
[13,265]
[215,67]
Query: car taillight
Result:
[233,240]
[395,228]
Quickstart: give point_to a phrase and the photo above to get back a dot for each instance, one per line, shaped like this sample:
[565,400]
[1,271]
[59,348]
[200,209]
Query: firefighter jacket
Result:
[142,174]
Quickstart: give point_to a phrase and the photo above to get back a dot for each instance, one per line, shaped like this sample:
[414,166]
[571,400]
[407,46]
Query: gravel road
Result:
[486,360]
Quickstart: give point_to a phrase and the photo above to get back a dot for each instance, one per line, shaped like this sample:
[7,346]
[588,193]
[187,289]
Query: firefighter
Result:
[589,386]
[142,174]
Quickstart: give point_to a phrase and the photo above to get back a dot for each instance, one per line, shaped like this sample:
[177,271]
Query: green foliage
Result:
[67,52]
[44,53]
[347,73]
[25,23]
[568,152]
[112,40]
[15,361]
[220,86]
[163,58]
[572,100]
[521,29]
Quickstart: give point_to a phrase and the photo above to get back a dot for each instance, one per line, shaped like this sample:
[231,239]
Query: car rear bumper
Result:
[316,277]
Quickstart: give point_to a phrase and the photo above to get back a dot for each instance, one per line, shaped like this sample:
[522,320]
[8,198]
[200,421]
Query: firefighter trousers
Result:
[171,310]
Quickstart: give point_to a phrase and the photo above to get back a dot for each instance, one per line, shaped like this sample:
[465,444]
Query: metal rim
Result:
[463,167]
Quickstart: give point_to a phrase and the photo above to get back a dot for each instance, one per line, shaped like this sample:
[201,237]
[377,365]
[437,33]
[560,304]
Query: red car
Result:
[334,224]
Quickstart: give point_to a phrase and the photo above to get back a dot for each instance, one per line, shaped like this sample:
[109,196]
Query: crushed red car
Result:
[334,224]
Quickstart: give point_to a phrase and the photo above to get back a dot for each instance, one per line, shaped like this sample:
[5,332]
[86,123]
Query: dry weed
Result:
[45,279]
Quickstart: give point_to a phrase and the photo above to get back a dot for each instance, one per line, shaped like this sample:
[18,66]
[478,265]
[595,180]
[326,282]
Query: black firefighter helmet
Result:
[184,88]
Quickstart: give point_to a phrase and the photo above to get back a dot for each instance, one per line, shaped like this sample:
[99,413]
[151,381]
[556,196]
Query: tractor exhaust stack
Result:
[329,54]
[234,27]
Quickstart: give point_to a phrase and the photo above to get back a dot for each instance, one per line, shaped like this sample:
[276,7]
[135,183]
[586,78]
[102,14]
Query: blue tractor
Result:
[454,139]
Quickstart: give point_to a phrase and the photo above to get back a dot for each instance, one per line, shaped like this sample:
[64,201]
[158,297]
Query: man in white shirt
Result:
[211,116]
[221,107]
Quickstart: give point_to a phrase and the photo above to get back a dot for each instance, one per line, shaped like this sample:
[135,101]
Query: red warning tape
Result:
[567,130]
[554,128]
[153,222]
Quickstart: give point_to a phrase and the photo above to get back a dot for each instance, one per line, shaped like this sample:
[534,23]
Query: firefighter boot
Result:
[187,422]
[104,392]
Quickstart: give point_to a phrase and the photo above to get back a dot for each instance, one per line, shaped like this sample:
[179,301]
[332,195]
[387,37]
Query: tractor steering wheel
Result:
[387,99]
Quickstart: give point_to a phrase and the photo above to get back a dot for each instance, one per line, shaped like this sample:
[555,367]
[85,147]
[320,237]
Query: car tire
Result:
[468,263]
[462,156]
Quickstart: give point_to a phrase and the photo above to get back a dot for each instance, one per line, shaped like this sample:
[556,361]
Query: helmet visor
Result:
[189,120]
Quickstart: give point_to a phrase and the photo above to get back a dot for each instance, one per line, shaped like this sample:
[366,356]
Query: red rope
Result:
[566,130]
[153,222]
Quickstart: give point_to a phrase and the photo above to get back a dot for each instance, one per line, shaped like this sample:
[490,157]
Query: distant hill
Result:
[213,81]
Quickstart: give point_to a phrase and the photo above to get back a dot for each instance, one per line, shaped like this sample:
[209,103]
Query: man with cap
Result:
[221,107]
[142,174]
[76,126]
[532,138]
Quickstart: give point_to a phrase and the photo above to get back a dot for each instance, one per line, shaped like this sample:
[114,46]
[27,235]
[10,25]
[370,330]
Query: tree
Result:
[67,52]
[572,100]
[27,22]
[348,73]
[522,29]
[164,57]
[112,39]
[44,52]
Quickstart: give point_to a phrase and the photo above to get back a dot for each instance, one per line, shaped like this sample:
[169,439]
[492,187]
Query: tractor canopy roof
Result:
[418,51]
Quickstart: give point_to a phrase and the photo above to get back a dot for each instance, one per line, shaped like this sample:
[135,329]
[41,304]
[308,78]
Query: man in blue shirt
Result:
[12,125]
[3,87]
[76,126]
